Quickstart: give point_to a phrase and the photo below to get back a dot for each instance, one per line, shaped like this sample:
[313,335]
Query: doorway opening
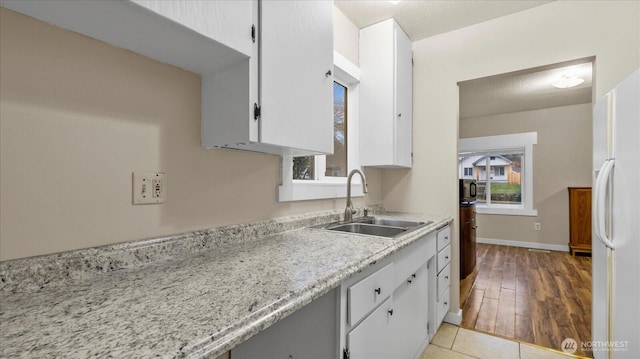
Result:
[527,282]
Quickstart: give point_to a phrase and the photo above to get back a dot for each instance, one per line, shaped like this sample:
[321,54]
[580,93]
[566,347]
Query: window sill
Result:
[507,211]
[309,190]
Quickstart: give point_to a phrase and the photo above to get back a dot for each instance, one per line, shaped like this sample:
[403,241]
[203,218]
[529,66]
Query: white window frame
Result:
[505,142]
[347,74]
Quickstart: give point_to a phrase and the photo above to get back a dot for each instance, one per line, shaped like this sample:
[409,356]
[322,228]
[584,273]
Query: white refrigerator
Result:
[616,223]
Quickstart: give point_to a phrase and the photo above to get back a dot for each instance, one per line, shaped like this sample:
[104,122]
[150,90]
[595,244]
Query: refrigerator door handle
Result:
[602,181]
[596,203]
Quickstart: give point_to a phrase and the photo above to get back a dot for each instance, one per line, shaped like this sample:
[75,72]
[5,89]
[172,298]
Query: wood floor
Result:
[531,296]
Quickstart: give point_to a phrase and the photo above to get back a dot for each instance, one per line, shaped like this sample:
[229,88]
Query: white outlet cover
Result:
[143,187]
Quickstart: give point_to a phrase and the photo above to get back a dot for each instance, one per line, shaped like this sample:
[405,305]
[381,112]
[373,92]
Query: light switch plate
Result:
[149,187]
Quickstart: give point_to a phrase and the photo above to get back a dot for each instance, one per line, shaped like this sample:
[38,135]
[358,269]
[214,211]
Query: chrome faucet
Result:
[349,211]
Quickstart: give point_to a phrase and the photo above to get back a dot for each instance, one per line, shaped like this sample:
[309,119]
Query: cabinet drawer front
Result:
[442,307]
[368,293]
[444,257]
[444,280]
[408,261]
[444,237]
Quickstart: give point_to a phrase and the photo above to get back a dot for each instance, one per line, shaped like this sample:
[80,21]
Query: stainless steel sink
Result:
[391,222]
[374,226]
[369,229]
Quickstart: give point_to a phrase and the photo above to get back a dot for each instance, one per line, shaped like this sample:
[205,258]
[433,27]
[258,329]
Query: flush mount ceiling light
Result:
[394,2]
[567,82]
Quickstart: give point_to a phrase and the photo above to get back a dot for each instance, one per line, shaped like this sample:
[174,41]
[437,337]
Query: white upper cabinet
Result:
[279,101]
[265,65]
[180,33]
[296,64]
[385,96]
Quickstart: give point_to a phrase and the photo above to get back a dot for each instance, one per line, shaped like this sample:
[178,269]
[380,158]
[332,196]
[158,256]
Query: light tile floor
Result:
[452,342]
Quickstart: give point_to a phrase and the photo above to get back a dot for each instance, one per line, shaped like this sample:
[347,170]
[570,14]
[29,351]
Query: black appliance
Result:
[467,191]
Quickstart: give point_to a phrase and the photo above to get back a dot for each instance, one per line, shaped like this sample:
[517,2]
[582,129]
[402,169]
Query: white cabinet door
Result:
[376,94]
[385,96]
[285,78]
[372,338]
[410,317]
[296,61]
[403,98]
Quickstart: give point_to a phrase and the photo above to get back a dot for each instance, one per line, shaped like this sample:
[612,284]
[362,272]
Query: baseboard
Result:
[504,242]
[454,318]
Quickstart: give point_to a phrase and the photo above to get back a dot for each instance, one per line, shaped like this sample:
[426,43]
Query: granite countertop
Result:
[197,305]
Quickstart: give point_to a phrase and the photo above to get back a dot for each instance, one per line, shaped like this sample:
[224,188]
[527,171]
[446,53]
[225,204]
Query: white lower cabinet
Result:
[440,274]
[372,338]
[389,310]
[410,317]
[397,327]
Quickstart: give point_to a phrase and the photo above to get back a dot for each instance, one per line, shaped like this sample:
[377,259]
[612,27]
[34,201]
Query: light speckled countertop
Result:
[198,305]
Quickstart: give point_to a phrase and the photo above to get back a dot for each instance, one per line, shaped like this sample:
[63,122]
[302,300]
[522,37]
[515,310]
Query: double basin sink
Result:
[374,226]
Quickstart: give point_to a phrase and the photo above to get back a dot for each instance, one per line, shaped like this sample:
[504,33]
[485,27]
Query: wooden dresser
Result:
[579,219]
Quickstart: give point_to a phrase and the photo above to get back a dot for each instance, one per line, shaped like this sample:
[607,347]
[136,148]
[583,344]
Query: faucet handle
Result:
[366,212]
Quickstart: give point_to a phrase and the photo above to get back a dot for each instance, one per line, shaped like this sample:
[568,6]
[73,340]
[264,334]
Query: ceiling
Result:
[525,90]
[512,92]
[424,18]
